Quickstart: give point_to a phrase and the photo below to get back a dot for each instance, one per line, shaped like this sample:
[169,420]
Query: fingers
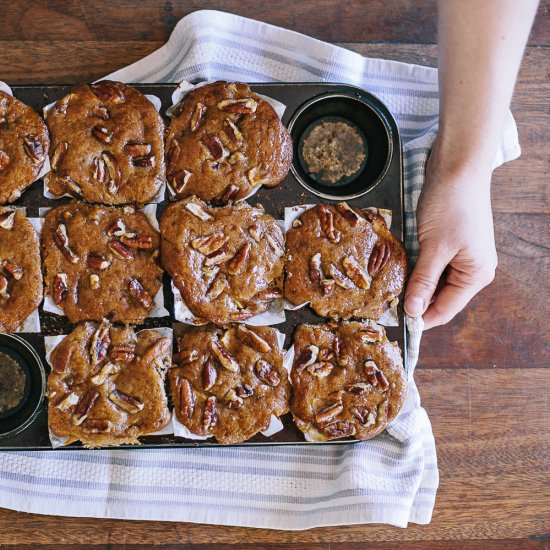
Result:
[423,281]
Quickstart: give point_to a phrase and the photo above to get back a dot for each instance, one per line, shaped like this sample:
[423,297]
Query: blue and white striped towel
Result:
[392,479]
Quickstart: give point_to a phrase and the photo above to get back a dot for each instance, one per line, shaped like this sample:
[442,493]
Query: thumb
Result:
[423,281]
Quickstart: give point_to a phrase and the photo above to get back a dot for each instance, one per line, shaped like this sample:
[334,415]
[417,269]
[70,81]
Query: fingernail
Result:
[414,306]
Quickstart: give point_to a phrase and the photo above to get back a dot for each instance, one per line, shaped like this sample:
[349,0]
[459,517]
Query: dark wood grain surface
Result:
[484,378]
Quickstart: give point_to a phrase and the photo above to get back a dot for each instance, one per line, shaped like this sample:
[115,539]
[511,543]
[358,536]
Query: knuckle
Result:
[423,281]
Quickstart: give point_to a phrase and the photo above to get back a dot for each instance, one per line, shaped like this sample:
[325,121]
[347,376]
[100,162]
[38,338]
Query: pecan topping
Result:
[241,315]
[215,147]
[225,358]
[103,374]
[210,243]
[100,343]
[186,356]
[237,156]
[209,374]
[326,414]
[232,400]
[339,278]
[307,357]
[368,335]
[126,402]
[138,242]
[382,380]
[228,194]
[199,211]
[253,177]
[379,256]
[137,149]
[122,353]
[218,257]
[370,372]
[4,160]
[238,261]
[266,373]
[244,391]
[187,398]
[94,281]
[274,243]
[268,295]
[255,233]
[320,369]
[210,415]
[363,415]
[336,346]
[218,285]
[239,106]
[325,354]
[71,186]
[326,217]
[33,147]
[173,155]
[231,130]
[96,426]
[144,161]
[84,407]
[3,289]
[197,116]
[340,429]
[99,170]
[113,171]
[67,402]
[102,134]
[101,111]
[7,219]
[179,181]
[252,339]
[348,213]
[121,251]
[356,273]
[58,154]
[107,91]
[358,388]
[14,270]
[97,261]
[328,286]
[60,289]
[62,242]
[315,273]
[116,229]
[140,295]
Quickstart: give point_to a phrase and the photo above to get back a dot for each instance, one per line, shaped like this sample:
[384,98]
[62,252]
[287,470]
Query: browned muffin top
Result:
[348,380]
[24,144]
[20,275]
[344,261]
[107,145]
[224,142]
[106,386]
[101,261]
[226,262]
[228,383]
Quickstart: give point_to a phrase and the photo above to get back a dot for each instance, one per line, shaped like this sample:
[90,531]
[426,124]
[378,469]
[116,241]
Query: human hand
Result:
[457,247]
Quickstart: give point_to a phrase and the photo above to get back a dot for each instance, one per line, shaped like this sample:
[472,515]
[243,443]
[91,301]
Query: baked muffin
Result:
[227,262]
[344,261]
[348,380]
[228,383]
[24,144]
[107,145]
[101,261]
[224,142]
[106,386]
[20,275]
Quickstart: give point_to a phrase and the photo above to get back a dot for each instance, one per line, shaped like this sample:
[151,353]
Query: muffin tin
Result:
[379,183]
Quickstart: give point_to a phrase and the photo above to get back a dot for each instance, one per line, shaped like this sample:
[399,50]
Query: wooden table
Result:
[484,378]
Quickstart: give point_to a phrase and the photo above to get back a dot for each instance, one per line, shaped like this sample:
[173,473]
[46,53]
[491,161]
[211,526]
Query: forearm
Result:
[481,44]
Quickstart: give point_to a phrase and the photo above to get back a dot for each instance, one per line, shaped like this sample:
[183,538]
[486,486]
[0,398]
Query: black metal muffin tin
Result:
[383,183]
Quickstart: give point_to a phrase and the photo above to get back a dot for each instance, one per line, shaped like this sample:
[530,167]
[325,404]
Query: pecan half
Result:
[363,415]
[274,243]
[100,343]
[210,414]
[71,186]
[173,155]
[62,242]
[383,411]
[307,357]
[218,257]
[320,369]
[225,358]
[266,373]
[121,251]
[358,388]
[217,286]
[99,169]
[126,402]
[144,161]
[210,243]
[140,295]
[244,391]
[4,160]
[58,154]
[231,131]
[7,219]
[33,147]
[113,171]
[229,193]
[137,149]
[94,281]
[102,134]
[122,353]
[103,374]
[379,256]
[107,91]
[197,116]
[138,242]
[348,213]
[370,372]
[84,407]
[187,398]
[67,402]
[268,295]
[14,270]
[255,232]
[60,290]
[232,400]
[199,211]
[238,261]
[328,286]
[328,413]
[116,229]
[97,426]
[326,218]
[325,354]
[252,339]
[340,429]
[241,315]
[254,177]
[368,335]
[240,106]
[315,272]
[209,374]
[215,147]
[382,380]
[186,356]
[339,278]
[179,181]
[101,111]
[97,261]
[356,273]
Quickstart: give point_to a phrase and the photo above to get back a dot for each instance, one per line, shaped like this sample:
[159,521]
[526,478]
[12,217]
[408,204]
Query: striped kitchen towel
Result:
[392,479]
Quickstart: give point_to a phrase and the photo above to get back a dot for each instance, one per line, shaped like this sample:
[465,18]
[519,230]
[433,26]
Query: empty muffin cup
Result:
[343,144]
[22,385]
